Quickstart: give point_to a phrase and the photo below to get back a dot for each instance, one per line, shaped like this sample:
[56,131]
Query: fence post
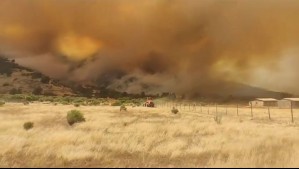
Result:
[226,109]
[251,110]
[292,112]
[269,113]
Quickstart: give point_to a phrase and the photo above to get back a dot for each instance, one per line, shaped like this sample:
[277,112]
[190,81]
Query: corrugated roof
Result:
[292,99]
[266,99]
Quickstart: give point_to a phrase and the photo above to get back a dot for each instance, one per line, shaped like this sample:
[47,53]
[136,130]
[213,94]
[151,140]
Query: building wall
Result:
[286,104]
[296,105]
[270,104]
[257,103]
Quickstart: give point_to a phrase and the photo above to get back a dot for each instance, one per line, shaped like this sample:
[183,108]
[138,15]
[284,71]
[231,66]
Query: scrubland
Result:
[147,137]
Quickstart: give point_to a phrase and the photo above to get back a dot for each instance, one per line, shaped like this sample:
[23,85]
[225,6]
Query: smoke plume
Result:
[183,46]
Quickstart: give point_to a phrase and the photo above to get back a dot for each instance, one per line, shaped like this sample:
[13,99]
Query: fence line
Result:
[193,107]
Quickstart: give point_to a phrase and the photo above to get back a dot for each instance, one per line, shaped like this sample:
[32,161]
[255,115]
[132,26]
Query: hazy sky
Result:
[180,45]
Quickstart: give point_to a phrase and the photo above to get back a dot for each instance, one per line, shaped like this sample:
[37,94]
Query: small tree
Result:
[75,116]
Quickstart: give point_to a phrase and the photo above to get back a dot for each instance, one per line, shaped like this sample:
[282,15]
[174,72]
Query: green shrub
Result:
[32,98]
[174,110]
[18,97]
[28,125]
[65,103]
[75,116]
[123,108]
[2,102]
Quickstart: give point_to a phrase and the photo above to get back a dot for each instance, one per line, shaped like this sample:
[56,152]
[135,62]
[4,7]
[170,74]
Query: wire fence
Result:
[270,113]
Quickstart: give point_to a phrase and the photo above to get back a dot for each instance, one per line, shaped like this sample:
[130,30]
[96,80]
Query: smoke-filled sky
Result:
[158,45]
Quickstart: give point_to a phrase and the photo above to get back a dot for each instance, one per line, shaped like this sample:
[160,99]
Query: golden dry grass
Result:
[146,137]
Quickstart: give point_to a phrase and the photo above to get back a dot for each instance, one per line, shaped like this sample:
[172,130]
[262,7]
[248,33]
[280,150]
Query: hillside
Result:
[16,79]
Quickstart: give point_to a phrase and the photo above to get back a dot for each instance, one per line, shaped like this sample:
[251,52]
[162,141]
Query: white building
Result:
[287,103]
[264,102]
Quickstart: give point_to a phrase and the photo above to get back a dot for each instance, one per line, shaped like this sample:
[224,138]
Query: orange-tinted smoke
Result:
[181,45]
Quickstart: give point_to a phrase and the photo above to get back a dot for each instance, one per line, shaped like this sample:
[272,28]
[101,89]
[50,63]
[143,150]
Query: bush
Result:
[37,91]
[28,125]
[26,102]
[123,108]
[15,91]
[5,84]
[77,105]
[65,103]
[45,80]
[32,98]
[2,102]
[117,103]
[75,116]
[36,75]
[174,110]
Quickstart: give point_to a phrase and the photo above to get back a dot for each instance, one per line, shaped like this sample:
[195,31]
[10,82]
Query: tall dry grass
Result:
[146,137]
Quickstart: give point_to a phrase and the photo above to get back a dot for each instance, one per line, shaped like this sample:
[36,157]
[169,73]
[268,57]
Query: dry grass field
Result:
[147,137]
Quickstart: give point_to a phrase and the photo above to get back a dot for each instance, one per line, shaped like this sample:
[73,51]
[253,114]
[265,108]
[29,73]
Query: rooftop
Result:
[266,99]
[292,99]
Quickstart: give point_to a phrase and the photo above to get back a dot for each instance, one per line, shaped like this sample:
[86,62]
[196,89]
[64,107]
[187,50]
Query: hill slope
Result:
[16,79]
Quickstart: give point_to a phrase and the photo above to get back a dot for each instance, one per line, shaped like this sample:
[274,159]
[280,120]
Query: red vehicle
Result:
[149,103]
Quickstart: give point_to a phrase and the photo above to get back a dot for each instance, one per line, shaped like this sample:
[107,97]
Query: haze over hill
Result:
[181,46]
[17,79]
